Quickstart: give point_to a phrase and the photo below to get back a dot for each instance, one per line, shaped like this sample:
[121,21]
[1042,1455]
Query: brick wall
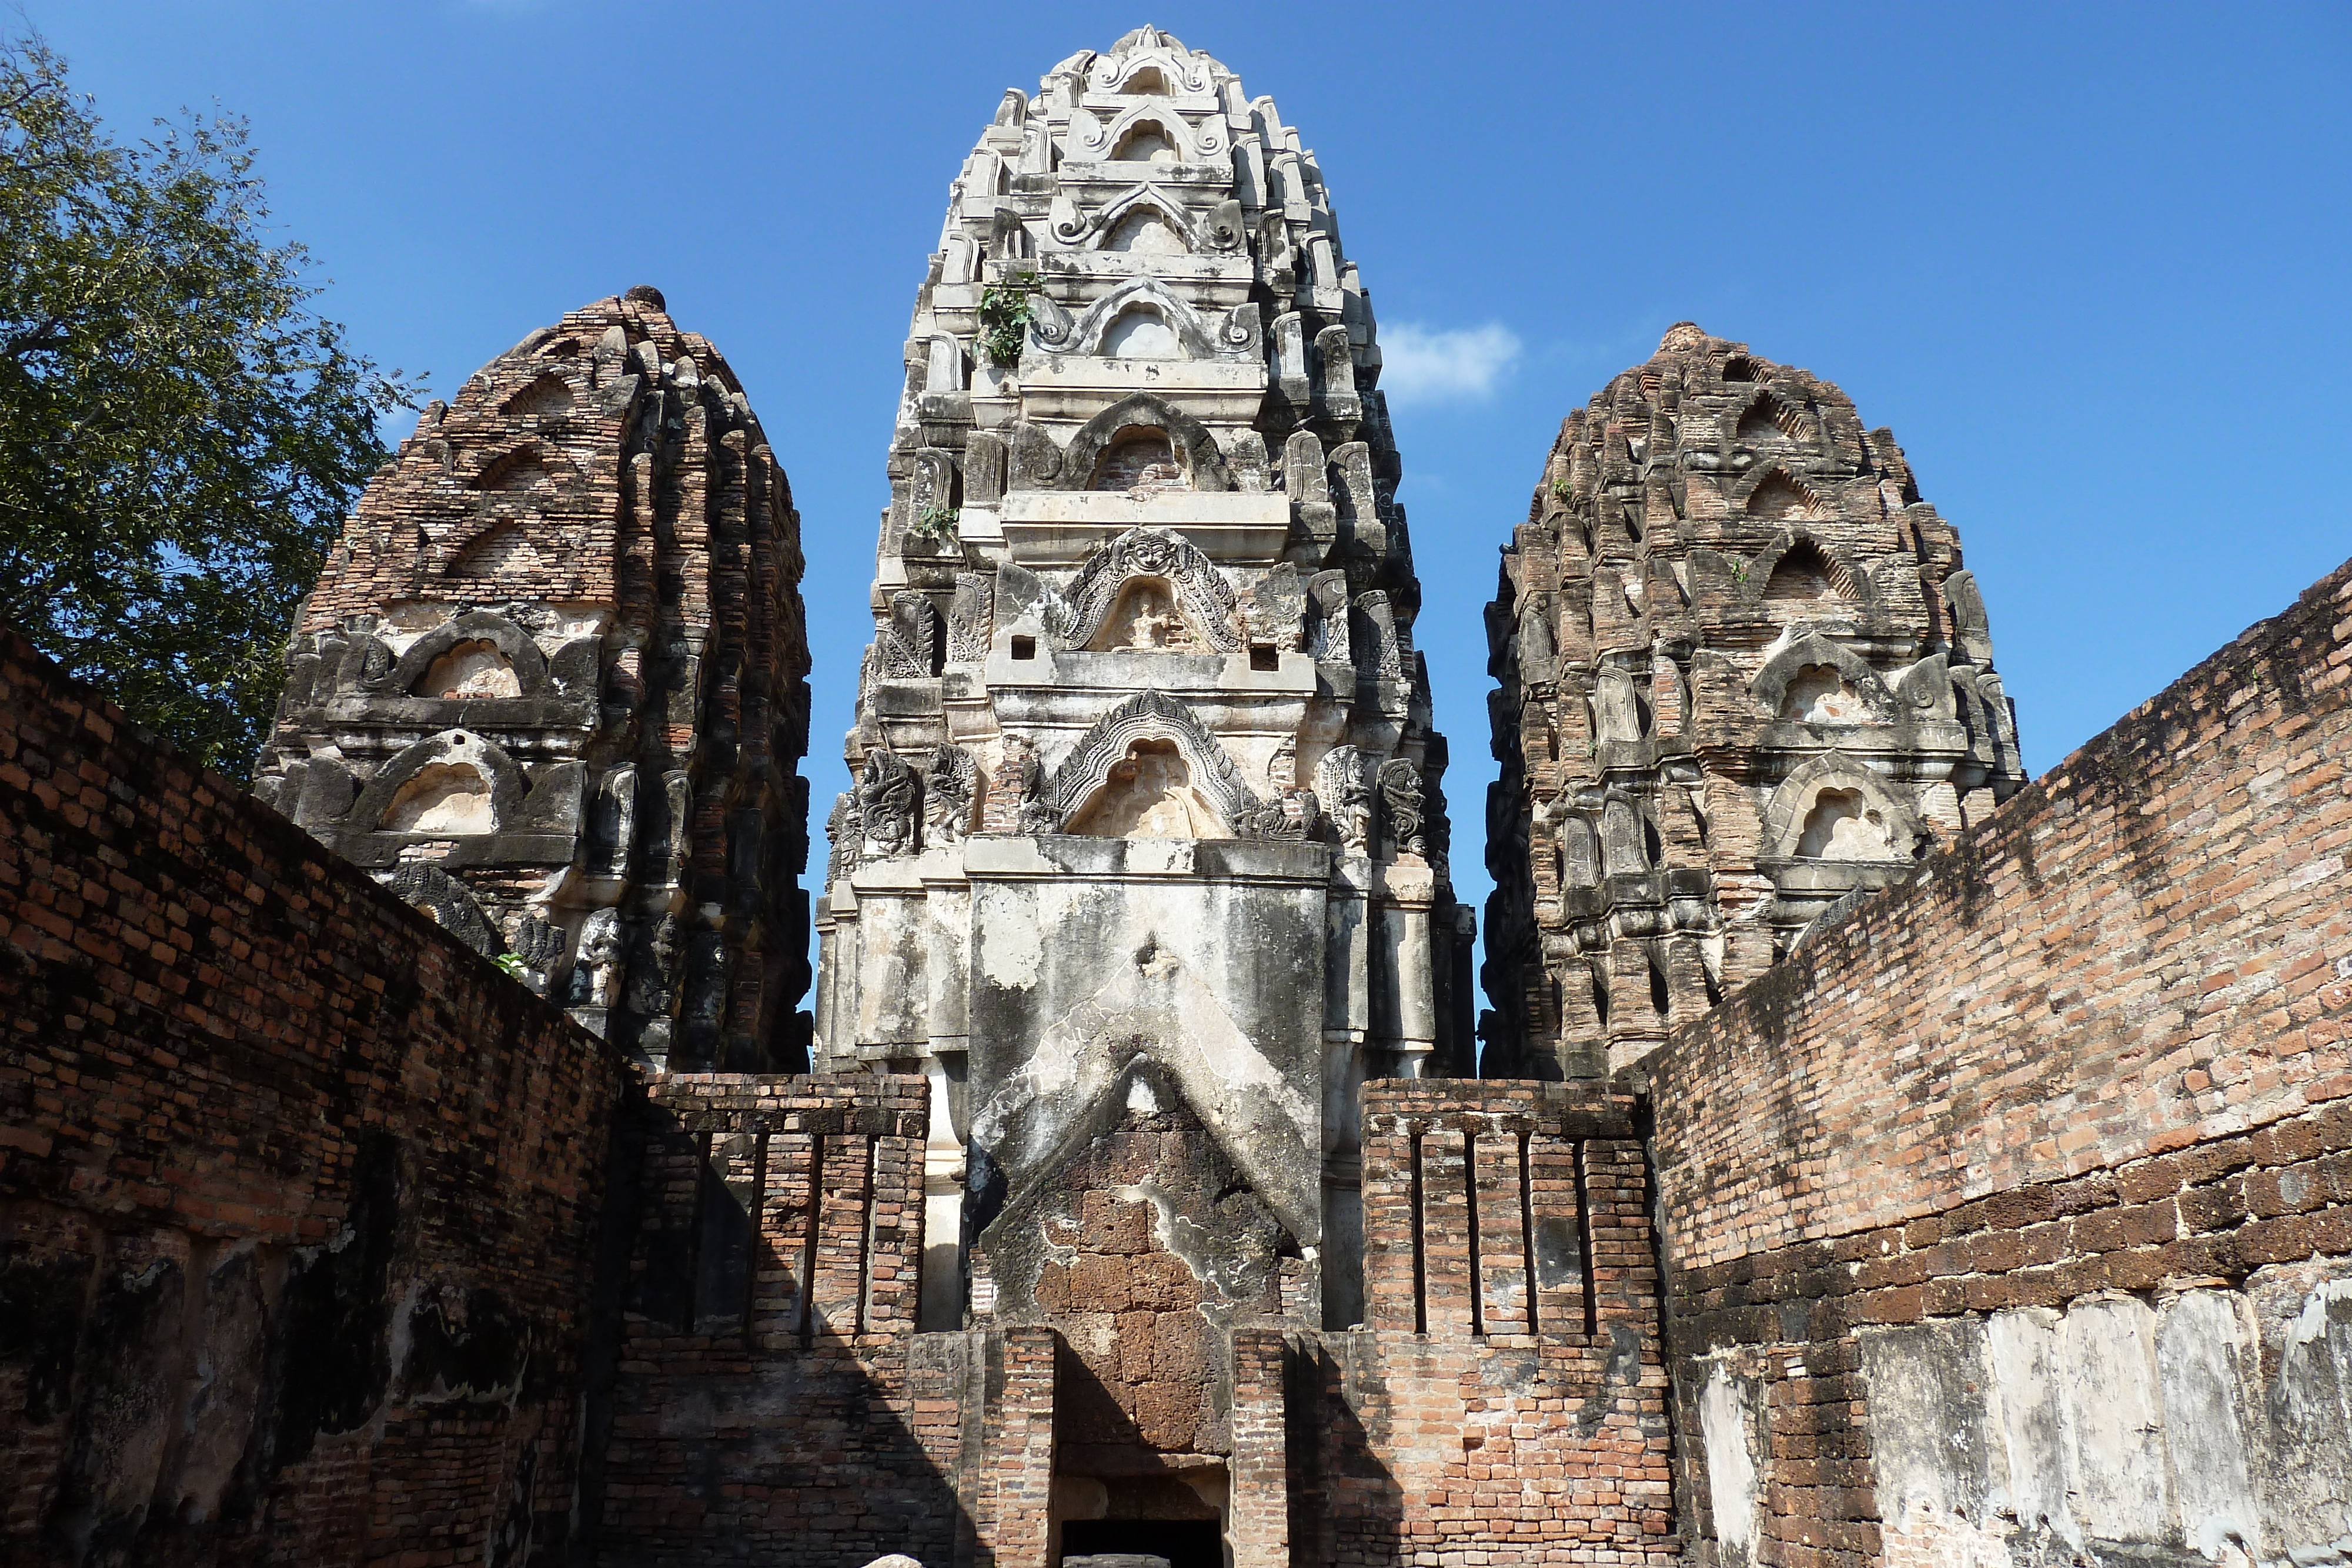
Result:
[297,1195]
[1451,1423]
[2080,1080]
[766,1405]
[765,1397]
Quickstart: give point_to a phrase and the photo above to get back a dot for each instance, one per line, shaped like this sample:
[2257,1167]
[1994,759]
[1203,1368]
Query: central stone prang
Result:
[1144,859]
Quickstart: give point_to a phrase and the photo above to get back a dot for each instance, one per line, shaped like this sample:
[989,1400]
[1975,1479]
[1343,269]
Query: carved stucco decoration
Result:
[448,903]
[886,790]
[1148,716]
[1203,597]
[950,790]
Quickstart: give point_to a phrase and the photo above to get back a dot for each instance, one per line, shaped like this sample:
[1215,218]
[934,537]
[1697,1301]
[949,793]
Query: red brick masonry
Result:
[297,1195]
[2097,1045]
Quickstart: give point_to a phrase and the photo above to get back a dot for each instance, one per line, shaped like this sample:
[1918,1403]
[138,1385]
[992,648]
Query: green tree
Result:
[180,437]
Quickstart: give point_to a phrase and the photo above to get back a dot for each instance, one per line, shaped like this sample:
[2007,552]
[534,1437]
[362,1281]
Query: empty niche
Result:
[1146,141]
[1146,233]
[443,797]
[1780,498]
[1149,795]
[1817,694]
[1140,333]
[472,669]
[1842,827]
[545,398]
[1762,424]
[1143,459]
[1147,81]
[1800,576]
[520,472]
[501,552]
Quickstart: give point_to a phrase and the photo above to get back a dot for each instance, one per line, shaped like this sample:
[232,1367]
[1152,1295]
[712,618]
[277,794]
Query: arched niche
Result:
[1149,794]
[1147,140]
[548,397]
[1782,688]
[1145,232]
[494,631]
[1834,809]
[1091,331]
[1772,420]
[1817,573]
[471,669]
[454,784]
[440,798]
[1140,458]
[1780,498]
[1144,616]
[1198,595]
[1195,448]
[528,468]
[1142,332]
[1149,750]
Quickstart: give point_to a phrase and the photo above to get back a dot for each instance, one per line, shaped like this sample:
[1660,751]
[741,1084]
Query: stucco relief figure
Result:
[595,973]
[885,800]
[1146,618]
[1339,784]
[1149,795]
[949,794]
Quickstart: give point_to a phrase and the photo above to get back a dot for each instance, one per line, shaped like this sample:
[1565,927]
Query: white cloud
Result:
[1418,365]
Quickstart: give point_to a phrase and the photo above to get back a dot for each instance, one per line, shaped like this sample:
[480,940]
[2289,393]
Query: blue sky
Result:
[2089,262]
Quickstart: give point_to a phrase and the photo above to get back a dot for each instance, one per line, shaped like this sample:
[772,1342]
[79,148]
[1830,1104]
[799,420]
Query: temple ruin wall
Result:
[299,1194]
[2007,1215]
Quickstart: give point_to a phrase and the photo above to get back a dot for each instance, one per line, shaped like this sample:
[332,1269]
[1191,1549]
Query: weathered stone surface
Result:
[1145,836]
[551,688]
[1743,677]
[2005,1220]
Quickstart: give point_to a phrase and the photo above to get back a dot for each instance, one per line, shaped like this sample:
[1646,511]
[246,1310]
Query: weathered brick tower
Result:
[551,688]
[1743,675]
[1145,849]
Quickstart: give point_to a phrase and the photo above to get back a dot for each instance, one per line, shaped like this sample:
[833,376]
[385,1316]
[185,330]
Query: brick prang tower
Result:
[551,688]
[1743,676]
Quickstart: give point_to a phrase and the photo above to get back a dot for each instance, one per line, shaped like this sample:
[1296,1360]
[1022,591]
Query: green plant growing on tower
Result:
[1005,318]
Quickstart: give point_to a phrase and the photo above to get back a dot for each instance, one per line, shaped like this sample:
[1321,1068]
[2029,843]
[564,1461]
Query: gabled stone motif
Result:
[1743,676]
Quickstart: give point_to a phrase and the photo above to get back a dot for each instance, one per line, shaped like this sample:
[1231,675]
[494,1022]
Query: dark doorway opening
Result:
[1185,1543]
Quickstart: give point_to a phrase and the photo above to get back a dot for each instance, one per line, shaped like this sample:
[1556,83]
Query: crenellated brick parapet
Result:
[1507,1390]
